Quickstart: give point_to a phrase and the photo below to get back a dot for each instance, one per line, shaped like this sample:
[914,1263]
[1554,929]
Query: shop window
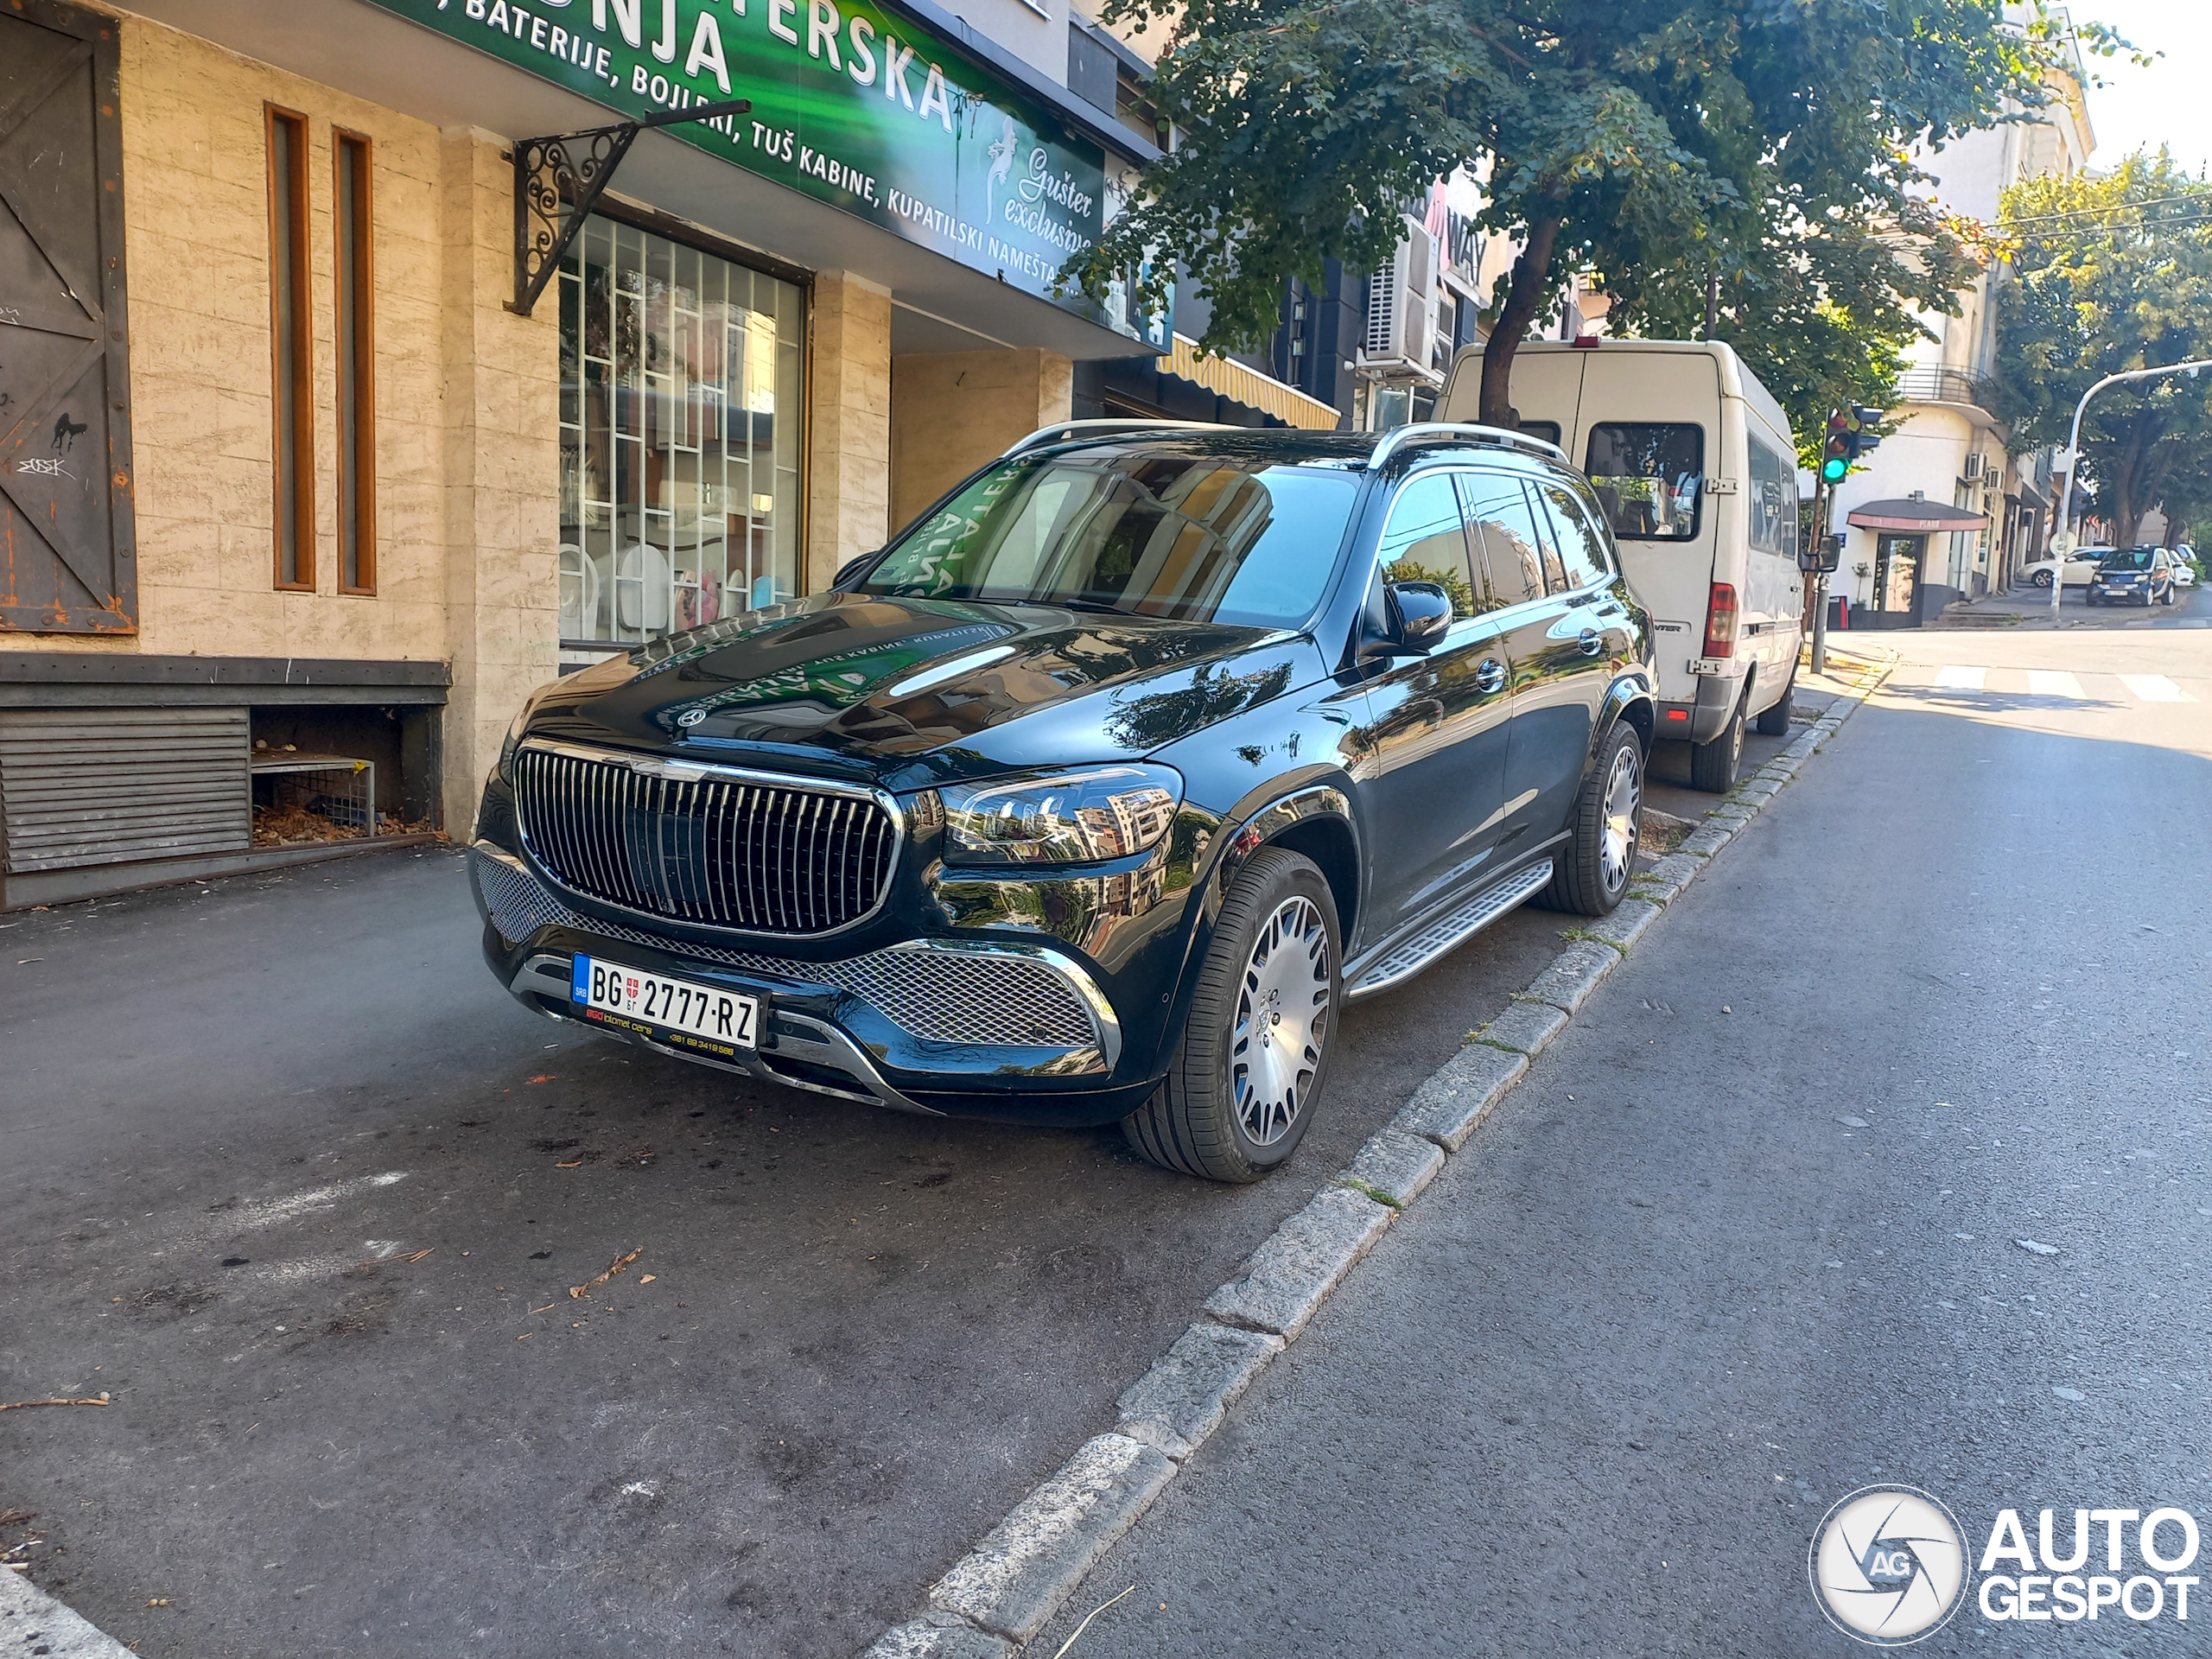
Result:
[357,375]
[292,407]
[681,406]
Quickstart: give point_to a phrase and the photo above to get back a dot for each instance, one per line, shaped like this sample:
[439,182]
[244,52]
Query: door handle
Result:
[1592,642]
[1490,675]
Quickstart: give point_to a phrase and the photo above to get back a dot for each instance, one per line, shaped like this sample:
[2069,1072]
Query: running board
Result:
[1448,933]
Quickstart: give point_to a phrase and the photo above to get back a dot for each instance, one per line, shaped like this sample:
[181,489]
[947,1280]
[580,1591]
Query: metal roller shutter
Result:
[82,786]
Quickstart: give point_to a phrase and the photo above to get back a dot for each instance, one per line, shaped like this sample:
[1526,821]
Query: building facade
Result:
[335,415]
[1944,512]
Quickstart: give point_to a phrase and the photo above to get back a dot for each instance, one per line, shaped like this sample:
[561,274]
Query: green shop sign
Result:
[851,107]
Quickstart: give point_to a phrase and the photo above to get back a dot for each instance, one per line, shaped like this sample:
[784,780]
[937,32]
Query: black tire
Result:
[2090,598]
[1591,873]
[1714,766]
[1193,1123]
[1774,721]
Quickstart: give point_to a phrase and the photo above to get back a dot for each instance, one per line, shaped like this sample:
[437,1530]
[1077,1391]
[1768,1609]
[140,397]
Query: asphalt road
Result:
[1747,1239]
[296,1185]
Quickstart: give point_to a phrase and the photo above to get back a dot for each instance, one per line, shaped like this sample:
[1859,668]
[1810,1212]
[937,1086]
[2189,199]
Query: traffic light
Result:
[1851,435]
[1836,452]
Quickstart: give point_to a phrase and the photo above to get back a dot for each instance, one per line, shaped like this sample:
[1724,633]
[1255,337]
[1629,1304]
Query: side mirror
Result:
[1823,557]
[1421,616]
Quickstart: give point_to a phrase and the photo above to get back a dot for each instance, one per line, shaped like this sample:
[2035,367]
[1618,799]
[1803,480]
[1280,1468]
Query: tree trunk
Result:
[2128,487]
[1524,297]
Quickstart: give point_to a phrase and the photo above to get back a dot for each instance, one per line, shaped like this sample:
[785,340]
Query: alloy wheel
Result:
[1283,1018]
[1617,840]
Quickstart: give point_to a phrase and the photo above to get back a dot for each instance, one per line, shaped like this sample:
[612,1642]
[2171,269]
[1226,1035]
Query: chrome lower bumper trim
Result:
[548,976]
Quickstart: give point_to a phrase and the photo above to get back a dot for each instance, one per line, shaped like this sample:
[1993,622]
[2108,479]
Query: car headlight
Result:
[1068,818]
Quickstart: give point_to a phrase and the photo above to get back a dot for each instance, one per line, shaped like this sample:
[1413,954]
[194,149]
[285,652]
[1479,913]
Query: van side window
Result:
[1424,541]
[1503,523]
[1547,430]
[1650,477]
[1580,549]
[1773,504]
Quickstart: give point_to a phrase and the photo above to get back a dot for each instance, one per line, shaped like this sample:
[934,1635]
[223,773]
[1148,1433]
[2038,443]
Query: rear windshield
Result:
[1650,476]
[2133,558]
[1242,539]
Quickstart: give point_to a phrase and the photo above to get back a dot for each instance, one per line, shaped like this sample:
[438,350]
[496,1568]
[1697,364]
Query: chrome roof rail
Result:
[1459,432]
[1066,431]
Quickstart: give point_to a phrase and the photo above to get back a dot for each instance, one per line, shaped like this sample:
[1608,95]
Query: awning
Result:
[1910,517]
[1256,391]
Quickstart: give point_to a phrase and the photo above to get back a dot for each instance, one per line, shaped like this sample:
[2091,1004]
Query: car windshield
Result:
[1240,537]
[2135,558]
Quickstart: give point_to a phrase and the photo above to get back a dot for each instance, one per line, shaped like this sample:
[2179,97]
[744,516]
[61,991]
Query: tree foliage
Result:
[2106,275]
[1763,145]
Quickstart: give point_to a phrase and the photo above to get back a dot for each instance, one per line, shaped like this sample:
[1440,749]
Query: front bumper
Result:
[2122,592]
[992,1028]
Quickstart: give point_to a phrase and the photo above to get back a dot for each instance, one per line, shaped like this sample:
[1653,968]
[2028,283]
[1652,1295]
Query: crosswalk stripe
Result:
[2155,688]
[1962,679]
[2053,683]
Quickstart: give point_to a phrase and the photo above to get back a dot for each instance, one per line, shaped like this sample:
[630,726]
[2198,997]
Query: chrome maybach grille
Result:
[721,852]
[940,995]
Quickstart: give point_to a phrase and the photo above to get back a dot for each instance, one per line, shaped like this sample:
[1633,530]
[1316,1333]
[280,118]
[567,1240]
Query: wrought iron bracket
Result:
[560,178]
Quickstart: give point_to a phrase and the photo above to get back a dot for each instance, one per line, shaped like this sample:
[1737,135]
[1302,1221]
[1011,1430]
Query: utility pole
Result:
[2061,541]
[1820,580]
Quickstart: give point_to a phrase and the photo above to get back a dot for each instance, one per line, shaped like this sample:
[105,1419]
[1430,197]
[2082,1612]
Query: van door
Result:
[1774,601]
[1649,481]
[1436,723]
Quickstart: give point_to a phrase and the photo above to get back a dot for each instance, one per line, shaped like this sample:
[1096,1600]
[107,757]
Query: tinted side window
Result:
[1424,541]
[1580,549]
[1648,476]
[1773,504]
[1555,580]
[1503,523]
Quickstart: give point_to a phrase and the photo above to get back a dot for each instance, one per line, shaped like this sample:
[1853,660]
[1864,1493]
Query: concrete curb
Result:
[1014,1581]
[33,1622]
[1026,1567]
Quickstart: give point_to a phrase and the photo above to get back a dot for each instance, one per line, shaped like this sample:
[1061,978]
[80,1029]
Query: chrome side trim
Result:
[1401,961]
[548,976]
[682,770]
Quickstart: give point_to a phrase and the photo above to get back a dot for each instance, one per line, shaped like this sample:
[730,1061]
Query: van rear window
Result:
[1650,477]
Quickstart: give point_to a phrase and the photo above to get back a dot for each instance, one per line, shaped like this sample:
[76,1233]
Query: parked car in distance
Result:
[2080,565]
[1693,461]
[2133,575]
[1097,794]
[2184,565]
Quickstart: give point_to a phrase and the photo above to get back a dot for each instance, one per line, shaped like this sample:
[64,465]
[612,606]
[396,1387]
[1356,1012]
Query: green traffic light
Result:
[1834,468]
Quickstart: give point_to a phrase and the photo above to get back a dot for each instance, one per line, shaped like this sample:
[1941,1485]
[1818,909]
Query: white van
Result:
[1693,459]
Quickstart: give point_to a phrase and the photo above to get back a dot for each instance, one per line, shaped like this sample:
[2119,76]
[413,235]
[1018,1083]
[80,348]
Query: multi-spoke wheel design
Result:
[1617,837]
[1282,1018]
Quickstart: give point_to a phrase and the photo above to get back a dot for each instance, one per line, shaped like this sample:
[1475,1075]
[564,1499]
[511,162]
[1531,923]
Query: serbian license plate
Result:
[678,1011]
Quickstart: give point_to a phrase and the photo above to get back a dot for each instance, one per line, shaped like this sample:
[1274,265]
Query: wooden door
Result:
[66,522]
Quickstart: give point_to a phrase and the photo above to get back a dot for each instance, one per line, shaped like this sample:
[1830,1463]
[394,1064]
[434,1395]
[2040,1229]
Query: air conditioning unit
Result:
[1974,468]
[1401,300]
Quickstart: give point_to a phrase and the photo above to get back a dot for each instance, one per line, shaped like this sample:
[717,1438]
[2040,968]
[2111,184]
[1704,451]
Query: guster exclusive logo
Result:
[1888,1565]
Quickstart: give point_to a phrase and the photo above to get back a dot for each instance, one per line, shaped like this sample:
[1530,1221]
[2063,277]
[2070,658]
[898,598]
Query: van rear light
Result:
[1720,621]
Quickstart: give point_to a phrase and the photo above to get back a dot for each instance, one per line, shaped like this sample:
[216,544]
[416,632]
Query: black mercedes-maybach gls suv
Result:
[1098,792]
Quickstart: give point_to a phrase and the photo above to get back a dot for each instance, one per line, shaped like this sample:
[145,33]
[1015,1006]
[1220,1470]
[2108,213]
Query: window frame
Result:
[1477,579]
[1608,564]
[291,410]
[1697,502]
[354,350]
[1506,475]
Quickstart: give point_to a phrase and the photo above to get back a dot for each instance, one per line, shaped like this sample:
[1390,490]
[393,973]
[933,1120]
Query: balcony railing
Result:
[1927,386]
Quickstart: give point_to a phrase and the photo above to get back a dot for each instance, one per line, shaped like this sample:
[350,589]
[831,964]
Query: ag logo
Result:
[1888,1566]
[691,716]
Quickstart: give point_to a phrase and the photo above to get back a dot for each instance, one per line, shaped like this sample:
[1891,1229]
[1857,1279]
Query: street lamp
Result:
[2062,545]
